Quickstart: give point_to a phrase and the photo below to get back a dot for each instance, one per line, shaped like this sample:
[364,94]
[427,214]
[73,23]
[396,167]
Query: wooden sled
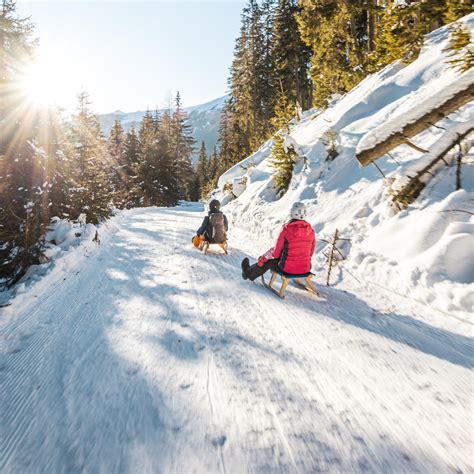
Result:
[205,247]
[303,281]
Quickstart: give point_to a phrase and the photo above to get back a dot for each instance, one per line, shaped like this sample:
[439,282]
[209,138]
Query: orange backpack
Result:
[197,240]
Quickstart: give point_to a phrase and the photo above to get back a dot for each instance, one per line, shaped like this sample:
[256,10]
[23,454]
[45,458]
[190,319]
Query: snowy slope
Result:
[203,118]
[424,252]
[142,355]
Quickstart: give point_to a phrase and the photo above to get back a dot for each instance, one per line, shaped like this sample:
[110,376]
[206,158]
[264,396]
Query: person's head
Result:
[298,211]
[214,205]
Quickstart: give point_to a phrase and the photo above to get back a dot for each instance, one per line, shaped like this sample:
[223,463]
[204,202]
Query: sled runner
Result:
[303,281]
[205,247]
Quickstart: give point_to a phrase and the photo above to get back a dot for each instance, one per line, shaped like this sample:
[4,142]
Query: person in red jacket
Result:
[292,252]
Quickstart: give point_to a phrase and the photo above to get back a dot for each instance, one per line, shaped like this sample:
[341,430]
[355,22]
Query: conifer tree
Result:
[402,26]
[251,81]
[148,180]
[285,110]
[52,141]
[168,183]
[214,171]
[331,28]
[93,190]
[400,35]
[283,160]
[119,171]
[156,177]
[202,167]
[21,207]
[461,48]
[456,9]
[21,162]
[131,149]
[291,55]
[182,147]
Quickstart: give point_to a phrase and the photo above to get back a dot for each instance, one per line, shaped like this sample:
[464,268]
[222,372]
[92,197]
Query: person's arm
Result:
[280,244]
[313,244]
[265,257]
[226,223]
[204,226]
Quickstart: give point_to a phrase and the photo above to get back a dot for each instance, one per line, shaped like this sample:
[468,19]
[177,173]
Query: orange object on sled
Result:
[197,240]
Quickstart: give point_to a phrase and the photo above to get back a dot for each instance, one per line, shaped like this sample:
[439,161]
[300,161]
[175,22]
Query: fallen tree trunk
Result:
[369,155]
[408,193]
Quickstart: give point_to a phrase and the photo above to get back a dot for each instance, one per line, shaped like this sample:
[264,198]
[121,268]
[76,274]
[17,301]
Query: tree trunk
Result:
[368,155]
[412,190]
[371,24]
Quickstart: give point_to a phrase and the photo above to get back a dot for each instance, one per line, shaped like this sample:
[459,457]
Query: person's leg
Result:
[254,271]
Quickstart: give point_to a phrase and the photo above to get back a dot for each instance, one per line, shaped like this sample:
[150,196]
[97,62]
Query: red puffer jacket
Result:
[295,247]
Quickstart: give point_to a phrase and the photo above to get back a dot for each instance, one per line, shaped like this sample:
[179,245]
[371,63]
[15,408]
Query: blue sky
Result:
[133,55]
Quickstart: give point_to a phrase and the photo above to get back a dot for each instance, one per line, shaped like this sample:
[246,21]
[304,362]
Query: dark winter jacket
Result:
[295,247]
[205,228]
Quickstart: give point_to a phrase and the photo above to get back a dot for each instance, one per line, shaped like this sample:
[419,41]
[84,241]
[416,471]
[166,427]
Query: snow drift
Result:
[423,252]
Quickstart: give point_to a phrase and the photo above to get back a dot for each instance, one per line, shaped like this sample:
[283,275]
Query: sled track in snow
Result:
[152,357]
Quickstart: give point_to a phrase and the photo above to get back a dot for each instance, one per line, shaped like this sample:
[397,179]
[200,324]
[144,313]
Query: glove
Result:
[261,261]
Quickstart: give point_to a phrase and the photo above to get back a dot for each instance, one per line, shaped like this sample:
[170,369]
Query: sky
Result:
[131,55]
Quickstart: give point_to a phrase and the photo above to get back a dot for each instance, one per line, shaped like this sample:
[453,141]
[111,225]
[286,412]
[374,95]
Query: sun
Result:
[39,82]
[50,79]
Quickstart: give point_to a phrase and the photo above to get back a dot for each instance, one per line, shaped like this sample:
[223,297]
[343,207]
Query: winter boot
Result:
[245,265]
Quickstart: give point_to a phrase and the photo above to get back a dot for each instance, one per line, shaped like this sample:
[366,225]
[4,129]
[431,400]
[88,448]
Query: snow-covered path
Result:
[150,357]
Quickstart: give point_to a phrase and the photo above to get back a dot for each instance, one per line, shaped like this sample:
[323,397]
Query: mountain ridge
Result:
[203,118]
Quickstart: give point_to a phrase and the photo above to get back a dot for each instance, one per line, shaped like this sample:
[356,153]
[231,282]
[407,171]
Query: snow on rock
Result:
[422,252]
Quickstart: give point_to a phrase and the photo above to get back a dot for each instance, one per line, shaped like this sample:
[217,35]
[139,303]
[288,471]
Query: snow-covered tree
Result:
[93,187]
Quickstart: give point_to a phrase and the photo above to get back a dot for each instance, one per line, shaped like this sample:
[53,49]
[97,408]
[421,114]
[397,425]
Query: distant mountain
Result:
[203,118]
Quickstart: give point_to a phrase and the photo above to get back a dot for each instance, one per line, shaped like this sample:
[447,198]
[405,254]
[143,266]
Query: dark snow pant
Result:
[254,271]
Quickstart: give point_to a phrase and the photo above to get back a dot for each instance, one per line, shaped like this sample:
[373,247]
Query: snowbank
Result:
[67,245]
[423,252]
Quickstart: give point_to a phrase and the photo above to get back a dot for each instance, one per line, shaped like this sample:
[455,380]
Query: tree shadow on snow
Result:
[346,307]
[402,328]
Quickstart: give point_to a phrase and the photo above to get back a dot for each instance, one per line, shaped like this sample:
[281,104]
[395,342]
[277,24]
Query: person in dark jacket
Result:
[215,224]
[292,252]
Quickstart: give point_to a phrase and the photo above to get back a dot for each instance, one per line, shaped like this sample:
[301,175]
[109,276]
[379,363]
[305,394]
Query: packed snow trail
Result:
[150,357]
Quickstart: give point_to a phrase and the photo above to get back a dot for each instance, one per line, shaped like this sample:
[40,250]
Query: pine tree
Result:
[456,9]
[167,181]
[21,205]
[182,147]
[202,169]
[22,163]
[119,171]
[156,177]
[52,142]
[283,160]
[251,79]
[461,48]
[400,34]
[334,30]
[291,55]
[214,171]
[403,25]
[93,187]
[285,110]
[131,149]
[147,163]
